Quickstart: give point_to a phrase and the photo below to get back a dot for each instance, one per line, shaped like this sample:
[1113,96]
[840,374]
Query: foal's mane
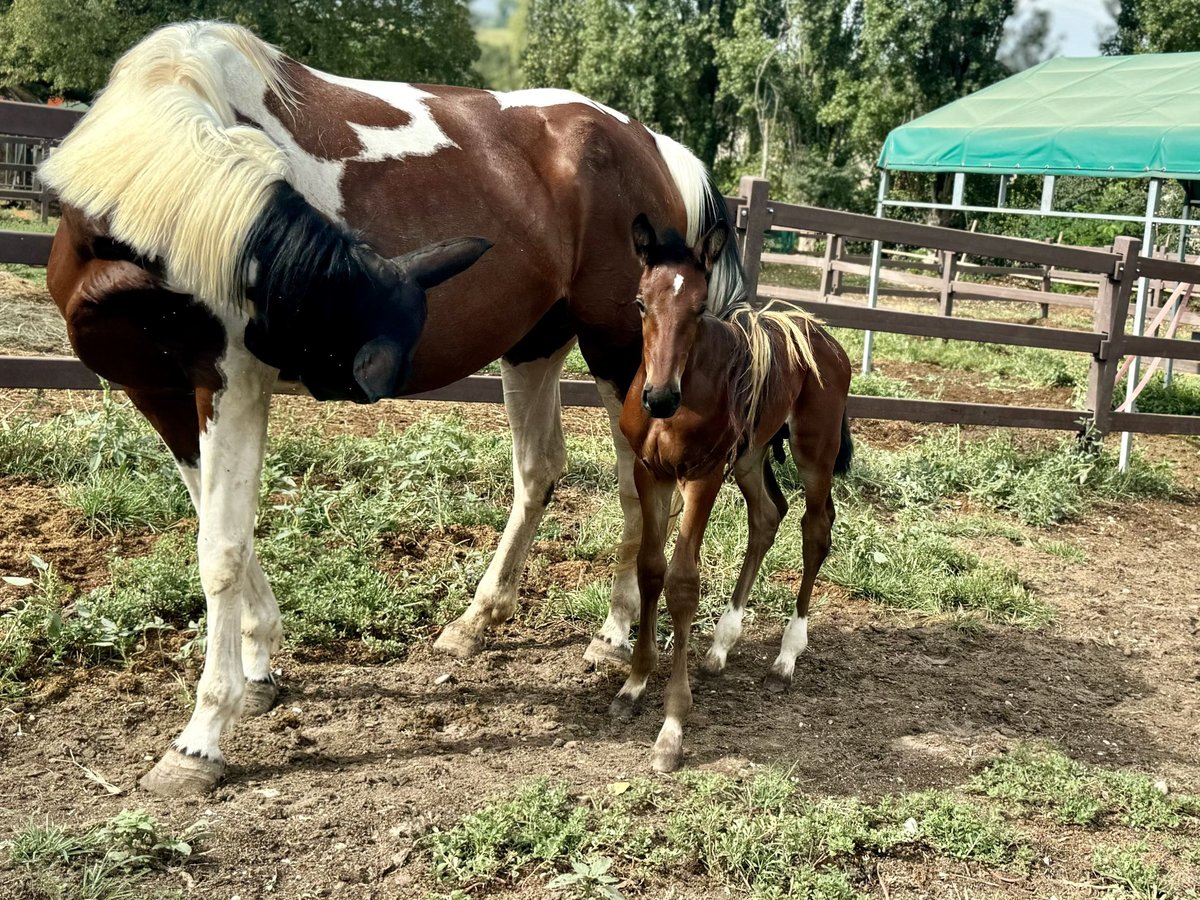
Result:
[794,328]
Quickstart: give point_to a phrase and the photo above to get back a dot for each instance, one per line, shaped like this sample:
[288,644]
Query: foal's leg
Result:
[654,497]
[531,399]
[817,527]
[683,597]
[175,415]
[611,643]
[752,473]
[231,448]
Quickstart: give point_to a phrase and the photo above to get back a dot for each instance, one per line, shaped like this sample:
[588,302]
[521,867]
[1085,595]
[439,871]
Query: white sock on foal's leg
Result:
[728,632]
[795,639]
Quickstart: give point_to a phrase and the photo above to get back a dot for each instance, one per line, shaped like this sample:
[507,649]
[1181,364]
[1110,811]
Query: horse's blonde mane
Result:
[794,326]
[161,159]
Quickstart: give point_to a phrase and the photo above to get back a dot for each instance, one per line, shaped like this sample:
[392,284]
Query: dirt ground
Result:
[326,795]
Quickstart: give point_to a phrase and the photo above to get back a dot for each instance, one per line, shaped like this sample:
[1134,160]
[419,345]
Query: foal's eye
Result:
[640,304]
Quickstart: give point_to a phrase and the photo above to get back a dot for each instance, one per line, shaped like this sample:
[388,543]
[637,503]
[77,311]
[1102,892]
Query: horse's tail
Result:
[845,453]
[161,159]
[705,207]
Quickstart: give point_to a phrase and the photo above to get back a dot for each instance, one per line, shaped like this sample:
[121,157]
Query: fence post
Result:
[1110,314]
[1047,287]
[839,255]
[949,270]
[755,219]
[825,288]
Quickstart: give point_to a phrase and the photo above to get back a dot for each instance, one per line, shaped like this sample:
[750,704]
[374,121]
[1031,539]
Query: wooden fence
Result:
[1115,273]
[27,132]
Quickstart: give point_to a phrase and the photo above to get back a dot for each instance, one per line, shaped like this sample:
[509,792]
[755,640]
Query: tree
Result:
[654,59]
[59,46]
[1155,26]
[1028,40]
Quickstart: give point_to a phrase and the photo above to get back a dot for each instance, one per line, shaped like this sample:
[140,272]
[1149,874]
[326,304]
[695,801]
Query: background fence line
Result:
[1113,272]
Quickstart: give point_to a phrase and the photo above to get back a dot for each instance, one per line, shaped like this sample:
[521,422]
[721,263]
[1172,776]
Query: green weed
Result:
[1128,869]
[1076,793]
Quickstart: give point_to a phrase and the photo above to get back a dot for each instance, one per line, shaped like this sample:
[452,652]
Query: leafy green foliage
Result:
[52,46]
[1128,869]
[104,861]
[1076,793]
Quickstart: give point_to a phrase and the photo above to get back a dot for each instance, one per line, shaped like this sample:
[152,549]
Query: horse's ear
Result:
[713,243]
[432,265]
[644,238]
[378,366]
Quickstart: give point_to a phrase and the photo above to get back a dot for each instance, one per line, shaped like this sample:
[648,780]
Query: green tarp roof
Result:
[1113,117]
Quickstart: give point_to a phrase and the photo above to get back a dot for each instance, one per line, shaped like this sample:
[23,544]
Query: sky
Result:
[1078,24]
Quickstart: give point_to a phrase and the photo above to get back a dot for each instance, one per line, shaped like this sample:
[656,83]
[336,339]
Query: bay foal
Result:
[712,394]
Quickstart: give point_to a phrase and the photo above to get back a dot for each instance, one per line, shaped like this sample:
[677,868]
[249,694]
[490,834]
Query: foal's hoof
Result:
[258,698]
[667,756]
[458,641]
[602,653]
[712,665]
[623,707]
[179,775]
[777,682]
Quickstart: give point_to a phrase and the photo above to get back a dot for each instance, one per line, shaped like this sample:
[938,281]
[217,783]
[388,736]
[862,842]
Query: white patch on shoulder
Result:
[678,284]
[422,136]
[553,97]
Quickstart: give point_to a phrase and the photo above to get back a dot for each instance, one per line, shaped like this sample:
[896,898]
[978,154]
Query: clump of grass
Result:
[911,566]
[104,861]
[1127,868]
[879,385]
[1076,793]
[1038,486]
[1180,398]
[113,500]
[761,836]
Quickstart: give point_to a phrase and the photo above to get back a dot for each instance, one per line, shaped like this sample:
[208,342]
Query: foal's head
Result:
[672,297]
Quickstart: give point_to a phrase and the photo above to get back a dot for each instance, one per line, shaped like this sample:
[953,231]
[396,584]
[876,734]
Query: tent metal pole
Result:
[1169,367]
[873,283]
[1139,314]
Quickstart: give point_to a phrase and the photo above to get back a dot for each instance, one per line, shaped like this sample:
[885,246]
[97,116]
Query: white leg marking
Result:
[624,601]
[262,629]
[531,399]
[231,459]
[795,639]
[729,630]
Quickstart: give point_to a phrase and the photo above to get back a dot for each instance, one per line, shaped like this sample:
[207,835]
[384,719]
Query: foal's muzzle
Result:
[660,402]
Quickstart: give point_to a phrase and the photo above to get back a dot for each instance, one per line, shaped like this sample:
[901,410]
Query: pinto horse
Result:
[711,396]
[228,215]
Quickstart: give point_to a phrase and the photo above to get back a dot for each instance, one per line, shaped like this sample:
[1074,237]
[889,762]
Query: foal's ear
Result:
[430,266]
[712,244]
[644,238]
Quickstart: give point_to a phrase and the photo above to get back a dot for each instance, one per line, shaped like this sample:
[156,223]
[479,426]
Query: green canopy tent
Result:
[1107,117]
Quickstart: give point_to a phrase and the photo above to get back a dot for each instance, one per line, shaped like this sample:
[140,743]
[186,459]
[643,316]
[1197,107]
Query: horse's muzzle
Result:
[660,402]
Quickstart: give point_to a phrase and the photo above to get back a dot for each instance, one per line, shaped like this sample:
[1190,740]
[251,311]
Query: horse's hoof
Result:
[623,708]
[777,682]
[179,775]
[712,665]
[455,640]
[666,758]
[601,653]
[258,698]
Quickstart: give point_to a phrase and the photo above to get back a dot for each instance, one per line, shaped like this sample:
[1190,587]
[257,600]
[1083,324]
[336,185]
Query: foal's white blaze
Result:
[553,97]
[795,639]
[678,283]
[729,630]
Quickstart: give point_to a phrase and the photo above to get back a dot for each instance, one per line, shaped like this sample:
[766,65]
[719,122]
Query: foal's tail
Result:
[845,454]
[161,159]
[705,207]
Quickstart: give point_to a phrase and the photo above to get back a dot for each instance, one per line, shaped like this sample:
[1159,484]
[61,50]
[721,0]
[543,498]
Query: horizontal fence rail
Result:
[1112,272]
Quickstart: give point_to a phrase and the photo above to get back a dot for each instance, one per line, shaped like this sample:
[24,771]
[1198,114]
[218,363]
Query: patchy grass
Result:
[1127,869]
[761,836]
[101,862]
[1046,781]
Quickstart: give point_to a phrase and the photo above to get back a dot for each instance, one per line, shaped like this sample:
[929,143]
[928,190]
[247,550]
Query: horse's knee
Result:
[223,564]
